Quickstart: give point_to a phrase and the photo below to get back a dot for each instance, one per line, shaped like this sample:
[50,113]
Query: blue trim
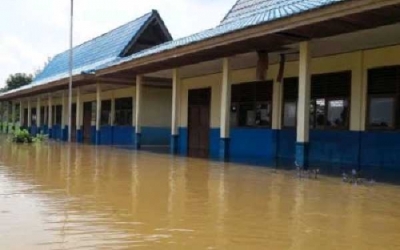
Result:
[106,135]
[138,137]
[98,137]
[45,129]
[214,143]
[253,145]
[64,133]
[224,149]
[302,149]
[156,136]
[50,133]
[183,141]
[174,147]
[93,135]
[79,136]
[123,135]
[33,130]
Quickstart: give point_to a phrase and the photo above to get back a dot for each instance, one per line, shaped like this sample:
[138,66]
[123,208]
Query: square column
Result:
[79,132]
[176,82]
[38,116]
[29,122]
[50,116]
[98,113]
[64,117]
[13,116]
[138,106]
[225,110]
[21,114]
[303,110]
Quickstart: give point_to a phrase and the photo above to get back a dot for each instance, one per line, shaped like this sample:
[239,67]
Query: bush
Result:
[22,136]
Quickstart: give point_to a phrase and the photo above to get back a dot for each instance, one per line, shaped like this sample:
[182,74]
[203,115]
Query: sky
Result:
[31,31]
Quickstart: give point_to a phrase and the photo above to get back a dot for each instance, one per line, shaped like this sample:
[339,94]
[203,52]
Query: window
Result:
[383,96]
[123,111]
[290,94]
[33,117]
[251,104]
[105,116]
[330,101]
[57,114]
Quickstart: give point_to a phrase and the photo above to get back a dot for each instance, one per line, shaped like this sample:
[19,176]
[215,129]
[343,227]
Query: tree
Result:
[17,80]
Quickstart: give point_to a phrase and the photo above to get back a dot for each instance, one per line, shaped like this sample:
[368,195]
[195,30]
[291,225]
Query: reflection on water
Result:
[61,196]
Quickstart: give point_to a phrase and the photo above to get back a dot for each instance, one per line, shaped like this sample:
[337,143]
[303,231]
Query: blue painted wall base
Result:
[50,133]
[224,145]
[138,138]
[65,133]
[98,137]
[302,154]
[174,147]
[79,136]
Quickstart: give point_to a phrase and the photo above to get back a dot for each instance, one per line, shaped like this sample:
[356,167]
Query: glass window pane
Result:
[290,114]
[247,115]
[234,120]
[381,112]
[320,113]
[263,114]
[337,113]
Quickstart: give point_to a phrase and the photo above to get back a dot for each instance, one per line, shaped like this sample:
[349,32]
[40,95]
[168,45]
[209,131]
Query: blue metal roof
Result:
[99,50]
[93,53]
[268,10]
[244,14]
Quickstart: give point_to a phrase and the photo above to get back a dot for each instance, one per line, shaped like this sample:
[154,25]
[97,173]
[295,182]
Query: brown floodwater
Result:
[67,196]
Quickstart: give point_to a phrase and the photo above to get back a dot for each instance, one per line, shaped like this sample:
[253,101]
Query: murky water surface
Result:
[60,196]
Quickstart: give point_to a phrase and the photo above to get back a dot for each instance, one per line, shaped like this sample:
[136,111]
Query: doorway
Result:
[199,122]
[87,121]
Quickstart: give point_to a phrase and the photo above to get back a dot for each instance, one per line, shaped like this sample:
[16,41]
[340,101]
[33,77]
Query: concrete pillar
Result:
[38,116]
[21,114]
[277,103]
[64,117]
[303,107]
[225,109]
[176,83]
[358,95]
[138,106]
[13,116]
[50,116]
[112,113]
[98,113]
[79,132]
[29,122]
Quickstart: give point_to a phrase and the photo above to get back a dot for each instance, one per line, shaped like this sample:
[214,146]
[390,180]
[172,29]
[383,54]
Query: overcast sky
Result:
[33,30]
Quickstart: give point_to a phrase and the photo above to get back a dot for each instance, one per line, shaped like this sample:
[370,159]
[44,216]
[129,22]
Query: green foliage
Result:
[22,136]
[17,80]
[40,138]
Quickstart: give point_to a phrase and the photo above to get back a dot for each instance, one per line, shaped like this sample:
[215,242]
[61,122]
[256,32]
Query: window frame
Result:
[254,102]
[395,110]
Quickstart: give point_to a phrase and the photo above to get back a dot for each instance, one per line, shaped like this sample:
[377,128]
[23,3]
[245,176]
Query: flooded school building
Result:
[316,82]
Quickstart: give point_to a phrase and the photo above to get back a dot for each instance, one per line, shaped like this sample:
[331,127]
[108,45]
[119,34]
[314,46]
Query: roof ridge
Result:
[108,32]
[258,11]
[229,12]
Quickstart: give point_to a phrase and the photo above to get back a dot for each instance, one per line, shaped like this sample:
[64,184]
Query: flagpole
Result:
[70,72]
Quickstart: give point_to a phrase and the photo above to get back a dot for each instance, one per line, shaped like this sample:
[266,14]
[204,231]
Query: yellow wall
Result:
[156,103]
[358,62]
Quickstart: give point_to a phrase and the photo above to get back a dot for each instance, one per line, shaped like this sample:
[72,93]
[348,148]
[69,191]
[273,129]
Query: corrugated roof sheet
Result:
[244,14]
[91,54]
